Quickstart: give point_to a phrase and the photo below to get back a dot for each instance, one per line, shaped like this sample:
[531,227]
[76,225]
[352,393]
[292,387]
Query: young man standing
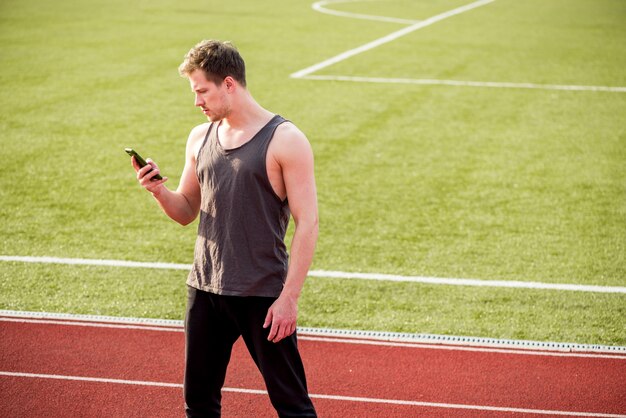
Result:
[246,171]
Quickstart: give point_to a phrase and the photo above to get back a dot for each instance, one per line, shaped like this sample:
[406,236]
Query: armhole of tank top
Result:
[204,142]
[267,177]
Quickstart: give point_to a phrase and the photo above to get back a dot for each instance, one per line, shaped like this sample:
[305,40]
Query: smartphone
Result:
[140,161]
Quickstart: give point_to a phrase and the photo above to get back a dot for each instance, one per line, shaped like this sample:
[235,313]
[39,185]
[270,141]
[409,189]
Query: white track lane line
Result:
[391,37]
[321,396]
[424,341]
[90,324]
[337,274]
[460,348]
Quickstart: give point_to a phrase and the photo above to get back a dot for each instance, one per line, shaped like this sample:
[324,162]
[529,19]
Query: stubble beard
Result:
[218,114]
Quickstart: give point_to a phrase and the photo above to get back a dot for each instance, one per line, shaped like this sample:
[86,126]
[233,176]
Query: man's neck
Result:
[246,114]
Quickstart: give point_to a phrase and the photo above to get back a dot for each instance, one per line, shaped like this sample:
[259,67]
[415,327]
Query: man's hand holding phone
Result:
[148,173]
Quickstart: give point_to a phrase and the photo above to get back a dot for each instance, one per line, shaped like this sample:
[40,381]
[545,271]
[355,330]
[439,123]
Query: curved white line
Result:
[319,6]
[391,37]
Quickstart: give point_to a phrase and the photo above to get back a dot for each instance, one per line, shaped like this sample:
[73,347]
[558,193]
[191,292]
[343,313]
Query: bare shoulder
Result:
[196,136]
[287,131]
[289,142]
[290,164]
[198,132]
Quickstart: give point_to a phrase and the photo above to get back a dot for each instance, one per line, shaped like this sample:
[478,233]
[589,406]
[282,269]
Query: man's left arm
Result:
[295,157]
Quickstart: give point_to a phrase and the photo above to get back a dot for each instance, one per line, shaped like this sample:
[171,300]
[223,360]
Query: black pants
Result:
[212,325]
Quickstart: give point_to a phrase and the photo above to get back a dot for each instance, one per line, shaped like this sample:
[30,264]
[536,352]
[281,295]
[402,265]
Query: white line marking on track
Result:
[473,407]
[338,275]
[391,339]
[319,6]
[93,325]
[459,348]
[461,83]
[320,396]
[91,379]
[388,38]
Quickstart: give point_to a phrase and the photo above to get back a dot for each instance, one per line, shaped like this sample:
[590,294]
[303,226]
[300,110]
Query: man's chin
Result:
[213,117]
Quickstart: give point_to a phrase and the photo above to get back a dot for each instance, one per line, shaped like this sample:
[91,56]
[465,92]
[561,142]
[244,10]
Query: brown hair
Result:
[217,59]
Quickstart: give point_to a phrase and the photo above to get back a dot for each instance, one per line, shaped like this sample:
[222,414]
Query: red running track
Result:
[69,368]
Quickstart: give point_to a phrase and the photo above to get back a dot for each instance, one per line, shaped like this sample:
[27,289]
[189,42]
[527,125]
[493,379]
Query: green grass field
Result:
[429,180]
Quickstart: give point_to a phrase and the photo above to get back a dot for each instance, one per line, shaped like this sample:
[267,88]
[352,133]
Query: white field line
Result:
[95,262]
[319,396]
[319,6]
[336,275]
[468,282]
[391,37]
[461,83]
[306,73]
[339,336]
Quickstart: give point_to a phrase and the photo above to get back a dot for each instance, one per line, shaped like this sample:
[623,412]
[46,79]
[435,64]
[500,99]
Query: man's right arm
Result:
[182,205]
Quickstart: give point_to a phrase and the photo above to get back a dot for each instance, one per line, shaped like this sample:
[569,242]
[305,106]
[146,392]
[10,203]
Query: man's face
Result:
[212,99]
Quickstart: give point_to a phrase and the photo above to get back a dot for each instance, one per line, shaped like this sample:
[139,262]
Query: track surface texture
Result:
[67,368]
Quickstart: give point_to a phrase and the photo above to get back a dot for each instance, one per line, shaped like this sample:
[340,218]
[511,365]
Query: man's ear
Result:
[230,84]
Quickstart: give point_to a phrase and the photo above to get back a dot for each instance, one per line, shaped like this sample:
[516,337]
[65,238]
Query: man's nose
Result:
[199,101]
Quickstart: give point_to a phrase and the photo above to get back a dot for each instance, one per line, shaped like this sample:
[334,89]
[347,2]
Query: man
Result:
[246,171]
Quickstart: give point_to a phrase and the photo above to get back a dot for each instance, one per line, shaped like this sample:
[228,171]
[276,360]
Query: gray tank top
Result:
[240,249]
